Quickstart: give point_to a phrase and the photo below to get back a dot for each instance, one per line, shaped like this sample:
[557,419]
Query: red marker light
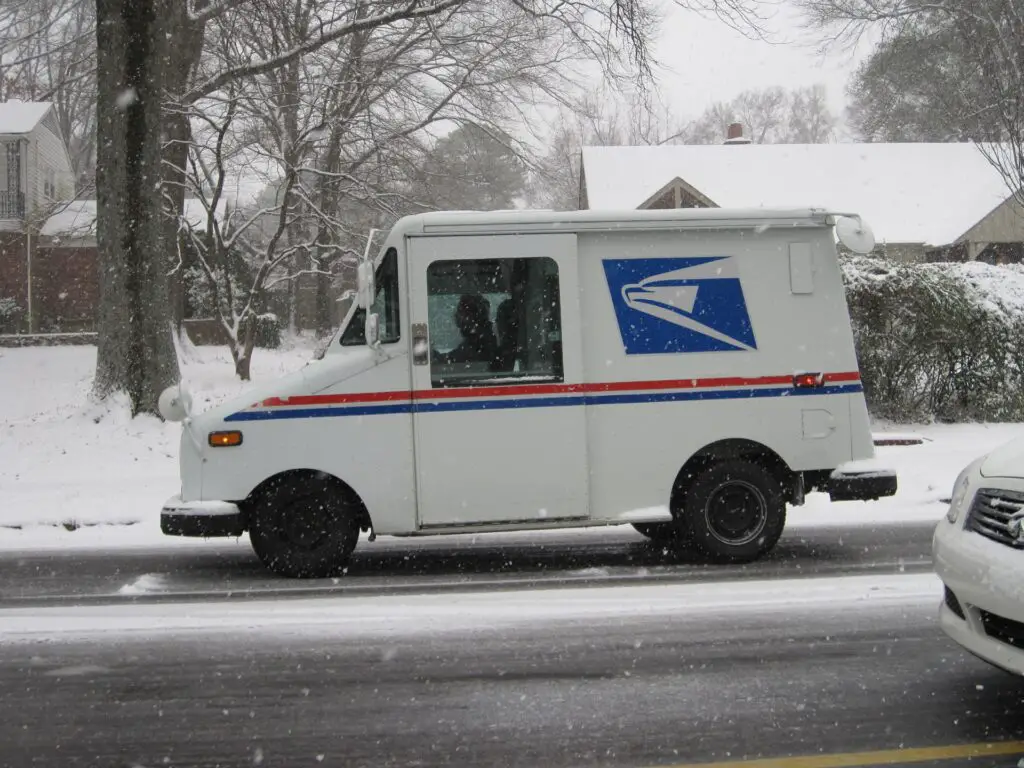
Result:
[808,380]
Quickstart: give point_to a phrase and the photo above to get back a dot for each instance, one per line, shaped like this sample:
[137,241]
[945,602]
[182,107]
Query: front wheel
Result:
[304,527]
[734,511]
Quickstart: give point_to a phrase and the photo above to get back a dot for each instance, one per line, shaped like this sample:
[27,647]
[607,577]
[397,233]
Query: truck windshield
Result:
[385,305]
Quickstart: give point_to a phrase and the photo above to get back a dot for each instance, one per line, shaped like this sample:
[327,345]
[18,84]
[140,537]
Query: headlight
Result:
[963,483]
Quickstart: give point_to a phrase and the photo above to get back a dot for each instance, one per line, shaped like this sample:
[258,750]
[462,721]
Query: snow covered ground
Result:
[401,615]
[66,463]
[74,474]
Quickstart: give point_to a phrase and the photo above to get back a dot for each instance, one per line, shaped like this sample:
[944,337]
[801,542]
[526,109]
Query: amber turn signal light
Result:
[225,439]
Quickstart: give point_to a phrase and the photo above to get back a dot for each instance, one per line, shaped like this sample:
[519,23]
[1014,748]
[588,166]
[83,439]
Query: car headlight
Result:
[956,503]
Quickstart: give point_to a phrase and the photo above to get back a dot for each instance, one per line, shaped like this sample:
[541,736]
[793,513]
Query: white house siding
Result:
[46,150]
[1005,224]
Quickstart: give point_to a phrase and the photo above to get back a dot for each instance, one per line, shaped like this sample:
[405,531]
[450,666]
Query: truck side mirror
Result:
[175,403]
[365,290]
[855,234]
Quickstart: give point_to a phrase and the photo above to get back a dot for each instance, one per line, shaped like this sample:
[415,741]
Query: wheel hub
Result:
[736,513]
[303,523]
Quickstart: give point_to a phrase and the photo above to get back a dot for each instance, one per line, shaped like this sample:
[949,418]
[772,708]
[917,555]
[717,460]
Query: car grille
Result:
[992,512]
[1002,629]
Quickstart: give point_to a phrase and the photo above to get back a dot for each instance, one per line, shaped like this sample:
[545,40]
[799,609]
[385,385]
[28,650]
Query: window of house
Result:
[49,184]
[494,321]
[385,304]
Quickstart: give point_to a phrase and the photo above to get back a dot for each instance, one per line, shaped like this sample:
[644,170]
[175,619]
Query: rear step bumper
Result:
[867,485]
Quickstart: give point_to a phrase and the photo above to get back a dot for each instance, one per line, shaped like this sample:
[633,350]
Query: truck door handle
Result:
[420,344]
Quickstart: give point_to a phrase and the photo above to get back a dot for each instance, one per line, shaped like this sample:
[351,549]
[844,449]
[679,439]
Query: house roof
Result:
[17,117]
[907,193]
[77,218]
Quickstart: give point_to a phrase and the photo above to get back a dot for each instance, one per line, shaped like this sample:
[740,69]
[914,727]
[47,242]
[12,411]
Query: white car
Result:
[979,555]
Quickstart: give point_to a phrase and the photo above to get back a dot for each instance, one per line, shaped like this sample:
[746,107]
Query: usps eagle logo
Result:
[673,305]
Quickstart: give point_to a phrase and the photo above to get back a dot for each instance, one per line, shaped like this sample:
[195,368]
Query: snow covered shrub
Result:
[199,299]
[268,331]
[938,341]
[10,315]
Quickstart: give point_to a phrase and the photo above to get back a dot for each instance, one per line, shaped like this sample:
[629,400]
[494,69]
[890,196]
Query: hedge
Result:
[938,341]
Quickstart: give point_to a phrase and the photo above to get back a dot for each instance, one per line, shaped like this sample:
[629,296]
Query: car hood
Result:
[1005,461]
[312,379]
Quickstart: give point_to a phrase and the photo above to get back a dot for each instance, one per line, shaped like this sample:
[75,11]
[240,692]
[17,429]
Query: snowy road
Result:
[617,555]
[444,652]
[664,674]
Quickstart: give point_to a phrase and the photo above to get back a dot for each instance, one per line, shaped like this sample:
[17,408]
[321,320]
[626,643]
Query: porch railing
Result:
[12,205]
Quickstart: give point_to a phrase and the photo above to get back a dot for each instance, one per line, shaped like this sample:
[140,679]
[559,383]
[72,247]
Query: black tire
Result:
[733,511]
[304,527]
[659,533]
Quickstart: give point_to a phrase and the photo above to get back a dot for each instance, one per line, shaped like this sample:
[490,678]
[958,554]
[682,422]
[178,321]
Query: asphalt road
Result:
[223,568]
[702,688]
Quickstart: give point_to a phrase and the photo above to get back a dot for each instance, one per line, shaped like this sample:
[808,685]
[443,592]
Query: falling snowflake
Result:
[126,98]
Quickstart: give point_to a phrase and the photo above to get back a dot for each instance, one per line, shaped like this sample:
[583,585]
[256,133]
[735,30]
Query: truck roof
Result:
[483,222]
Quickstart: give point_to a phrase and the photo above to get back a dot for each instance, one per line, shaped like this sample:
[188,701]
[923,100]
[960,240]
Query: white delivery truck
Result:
[689,372]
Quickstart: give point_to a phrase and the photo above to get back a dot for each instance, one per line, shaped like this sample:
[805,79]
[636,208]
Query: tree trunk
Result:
[328,201]
[136,350]
[242,350]
[242,365]
[292,285]
[182,58]
[293,298]
[324,320]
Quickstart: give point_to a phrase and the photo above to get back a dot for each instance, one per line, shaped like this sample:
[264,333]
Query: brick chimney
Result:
[734,134]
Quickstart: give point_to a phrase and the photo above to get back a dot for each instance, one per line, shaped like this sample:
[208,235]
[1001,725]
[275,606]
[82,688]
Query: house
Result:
[35,176]
[923,201]
[65,275]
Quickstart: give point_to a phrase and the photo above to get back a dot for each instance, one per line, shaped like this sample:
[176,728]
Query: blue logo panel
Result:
[679,305]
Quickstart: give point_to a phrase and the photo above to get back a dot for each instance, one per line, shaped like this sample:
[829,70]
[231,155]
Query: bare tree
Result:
[602,118]
[151,30]
[769,116]
[344,130]
[237,251]
[986,39]
[773,115]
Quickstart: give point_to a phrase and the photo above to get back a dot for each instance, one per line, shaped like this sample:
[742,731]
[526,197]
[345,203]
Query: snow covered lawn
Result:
[66,463]
[74,474]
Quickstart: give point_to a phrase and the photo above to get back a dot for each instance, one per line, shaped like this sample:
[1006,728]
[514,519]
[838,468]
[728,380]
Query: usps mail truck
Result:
[688,372]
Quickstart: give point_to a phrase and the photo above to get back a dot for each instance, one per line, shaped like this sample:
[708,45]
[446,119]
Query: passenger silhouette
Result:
[508,337]
[478,345]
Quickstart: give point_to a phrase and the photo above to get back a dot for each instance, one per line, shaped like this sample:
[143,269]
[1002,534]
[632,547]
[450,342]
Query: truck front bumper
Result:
[867,485]
[201,518]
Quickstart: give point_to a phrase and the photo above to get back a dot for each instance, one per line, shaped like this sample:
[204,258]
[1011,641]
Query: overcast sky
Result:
[705,60]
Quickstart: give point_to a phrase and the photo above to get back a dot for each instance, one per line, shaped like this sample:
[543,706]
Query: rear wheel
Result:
[305,527]
[734,511]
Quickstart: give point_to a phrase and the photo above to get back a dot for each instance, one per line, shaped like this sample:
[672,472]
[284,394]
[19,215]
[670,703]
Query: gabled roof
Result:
[907,193]
[19,117]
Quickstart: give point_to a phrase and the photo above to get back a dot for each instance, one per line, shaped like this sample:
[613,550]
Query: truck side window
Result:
[385,304]
[494,321]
